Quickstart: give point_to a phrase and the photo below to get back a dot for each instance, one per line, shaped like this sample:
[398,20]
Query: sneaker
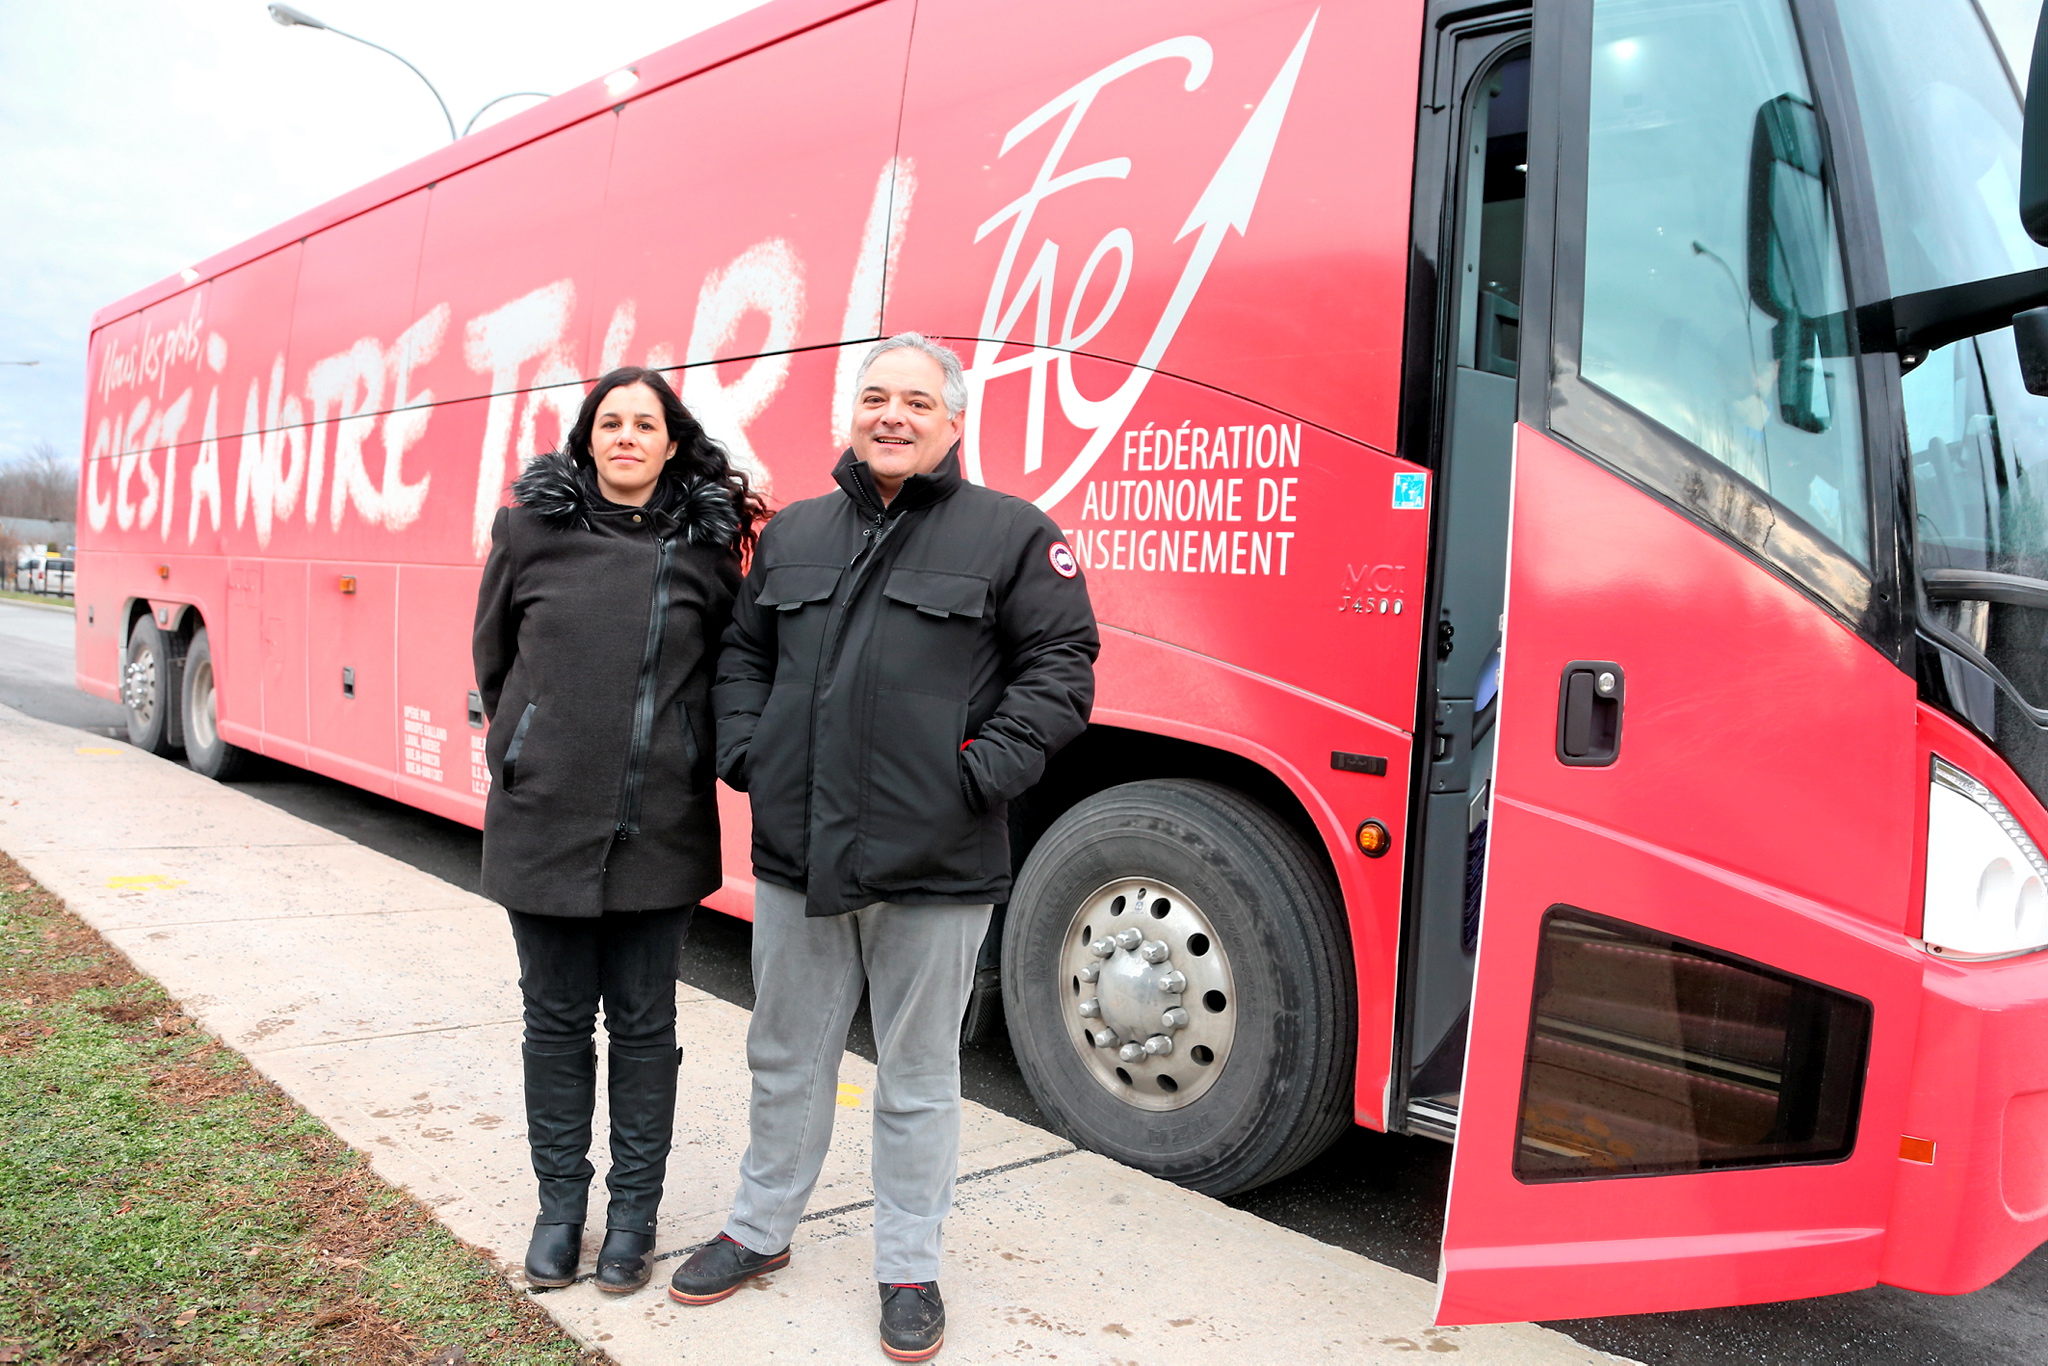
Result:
[718,1268]
[913,1321]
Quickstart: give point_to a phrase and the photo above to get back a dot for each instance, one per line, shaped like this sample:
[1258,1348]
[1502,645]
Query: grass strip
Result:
[46,599]
[161,1202]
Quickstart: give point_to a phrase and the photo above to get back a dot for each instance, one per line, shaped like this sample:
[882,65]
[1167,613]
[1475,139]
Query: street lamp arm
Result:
[409,67]
[539,94]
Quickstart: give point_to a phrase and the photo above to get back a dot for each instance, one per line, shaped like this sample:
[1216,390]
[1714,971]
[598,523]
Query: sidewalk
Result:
[386,1002]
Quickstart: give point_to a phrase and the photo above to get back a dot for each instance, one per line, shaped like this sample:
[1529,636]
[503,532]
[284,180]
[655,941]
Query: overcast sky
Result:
[139,136]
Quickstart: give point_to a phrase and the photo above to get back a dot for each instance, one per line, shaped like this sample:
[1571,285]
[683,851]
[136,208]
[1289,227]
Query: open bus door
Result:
[1695,1003]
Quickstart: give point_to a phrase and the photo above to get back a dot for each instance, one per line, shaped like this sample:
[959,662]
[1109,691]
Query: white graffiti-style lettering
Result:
[1226,203]
[765,278]
[881,243]
[497,344]
[271,468]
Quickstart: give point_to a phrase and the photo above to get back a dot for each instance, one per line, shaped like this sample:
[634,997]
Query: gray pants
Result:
[918,962]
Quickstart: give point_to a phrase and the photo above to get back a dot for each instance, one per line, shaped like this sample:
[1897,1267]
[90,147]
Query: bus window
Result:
[1707,301]
[1942,126]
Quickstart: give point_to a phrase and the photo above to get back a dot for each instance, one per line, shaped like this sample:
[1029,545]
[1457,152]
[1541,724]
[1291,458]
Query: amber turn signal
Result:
[1373,839]
[348,583]
[163,571]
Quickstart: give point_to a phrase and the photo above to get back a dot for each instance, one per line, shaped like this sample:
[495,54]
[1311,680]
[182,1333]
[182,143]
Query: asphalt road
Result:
[1377,1194]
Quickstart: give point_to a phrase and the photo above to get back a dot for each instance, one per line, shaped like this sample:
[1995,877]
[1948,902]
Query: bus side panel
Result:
[1214,188]
[351,671]
[190,375]
[238,655]
[441,758]
[1149,685]
[283,652]
[772,234]
[1978,1202]
[1290,554]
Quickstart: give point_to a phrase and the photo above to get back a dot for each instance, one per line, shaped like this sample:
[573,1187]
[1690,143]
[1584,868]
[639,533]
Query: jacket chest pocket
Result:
[798,594]
[933,624]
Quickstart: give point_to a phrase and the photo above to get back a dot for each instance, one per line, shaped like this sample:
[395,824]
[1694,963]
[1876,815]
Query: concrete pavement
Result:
[386,1002]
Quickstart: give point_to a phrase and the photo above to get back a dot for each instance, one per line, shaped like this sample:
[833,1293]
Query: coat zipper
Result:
[872,538]
[643,700]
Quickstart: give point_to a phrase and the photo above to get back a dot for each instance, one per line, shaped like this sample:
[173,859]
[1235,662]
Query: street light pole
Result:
[292,18]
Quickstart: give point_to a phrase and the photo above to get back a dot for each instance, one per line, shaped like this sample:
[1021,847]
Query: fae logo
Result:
[1411,491]
[1020,330]
[1062,560]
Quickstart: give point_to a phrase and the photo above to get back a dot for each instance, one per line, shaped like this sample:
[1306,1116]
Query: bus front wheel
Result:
[1178,985]
[204,749]
[149,679]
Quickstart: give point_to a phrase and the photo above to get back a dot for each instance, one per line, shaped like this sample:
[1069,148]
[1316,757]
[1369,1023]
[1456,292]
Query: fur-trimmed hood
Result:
[554,489]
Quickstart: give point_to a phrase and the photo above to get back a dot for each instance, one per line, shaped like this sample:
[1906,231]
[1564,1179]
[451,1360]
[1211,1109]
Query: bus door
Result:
[1694,1002]
[1478,90]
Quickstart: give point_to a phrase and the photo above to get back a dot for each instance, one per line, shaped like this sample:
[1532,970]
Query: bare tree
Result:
[41,484]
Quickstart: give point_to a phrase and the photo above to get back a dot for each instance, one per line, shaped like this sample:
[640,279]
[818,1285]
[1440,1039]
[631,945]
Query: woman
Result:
[609,582]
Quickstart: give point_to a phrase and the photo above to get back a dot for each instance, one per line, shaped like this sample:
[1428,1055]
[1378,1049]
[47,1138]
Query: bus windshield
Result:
[1942,123]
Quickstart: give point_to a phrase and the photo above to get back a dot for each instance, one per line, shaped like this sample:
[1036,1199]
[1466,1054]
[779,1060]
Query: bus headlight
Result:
[1987,885]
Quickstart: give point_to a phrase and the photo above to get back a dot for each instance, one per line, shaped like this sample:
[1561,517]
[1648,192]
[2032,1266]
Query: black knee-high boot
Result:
[561,1093]
[643,1105]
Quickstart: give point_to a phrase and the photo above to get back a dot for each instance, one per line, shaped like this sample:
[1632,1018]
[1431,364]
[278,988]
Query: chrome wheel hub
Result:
[138,686]
[1151,1007]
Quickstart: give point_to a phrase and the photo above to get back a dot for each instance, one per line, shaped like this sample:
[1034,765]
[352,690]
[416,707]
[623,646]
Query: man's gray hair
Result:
[954,391]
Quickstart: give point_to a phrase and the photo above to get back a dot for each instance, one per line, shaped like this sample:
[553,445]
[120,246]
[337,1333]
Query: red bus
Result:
[1572,590]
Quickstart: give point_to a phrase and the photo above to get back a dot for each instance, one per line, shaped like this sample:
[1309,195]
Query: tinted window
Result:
[1713,279]
[1650,1054]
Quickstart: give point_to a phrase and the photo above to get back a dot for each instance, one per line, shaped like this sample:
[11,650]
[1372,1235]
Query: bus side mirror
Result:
[2034,146]
[1788,251]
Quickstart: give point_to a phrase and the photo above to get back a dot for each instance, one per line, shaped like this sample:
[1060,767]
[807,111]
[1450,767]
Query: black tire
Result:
[149,688]
[1283,1091]
[205,751]
[984,1013]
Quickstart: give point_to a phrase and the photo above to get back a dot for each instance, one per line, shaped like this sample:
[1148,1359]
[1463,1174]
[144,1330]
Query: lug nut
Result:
[1090,973]
[1104,1038]
[1092,1009]
[1128,939]
[1175,1018]
[1154,951]
[1103,947]
[1173,983]
[1132,1052]
[1158,1045]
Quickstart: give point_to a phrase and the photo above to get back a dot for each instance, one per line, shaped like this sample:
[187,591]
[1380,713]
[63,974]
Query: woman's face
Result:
[630,444]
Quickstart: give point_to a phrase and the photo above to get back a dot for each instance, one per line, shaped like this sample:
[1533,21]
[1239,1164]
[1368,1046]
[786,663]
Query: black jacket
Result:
[602,794]
[867,649]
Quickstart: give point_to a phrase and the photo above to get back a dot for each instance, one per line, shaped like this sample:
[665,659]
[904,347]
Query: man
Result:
[904,657]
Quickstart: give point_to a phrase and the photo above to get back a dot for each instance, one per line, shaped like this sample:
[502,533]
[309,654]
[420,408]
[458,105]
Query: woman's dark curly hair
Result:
[697,456]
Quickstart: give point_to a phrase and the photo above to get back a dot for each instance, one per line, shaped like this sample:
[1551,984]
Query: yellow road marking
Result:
[97,749]
[145,882]
[850,1095]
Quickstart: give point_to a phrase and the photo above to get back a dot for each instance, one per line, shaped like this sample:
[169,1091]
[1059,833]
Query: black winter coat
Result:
[867,649]
[598,690]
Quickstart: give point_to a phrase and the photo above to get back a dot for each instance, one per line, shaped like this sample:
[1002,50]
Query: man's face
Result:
[900,423]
